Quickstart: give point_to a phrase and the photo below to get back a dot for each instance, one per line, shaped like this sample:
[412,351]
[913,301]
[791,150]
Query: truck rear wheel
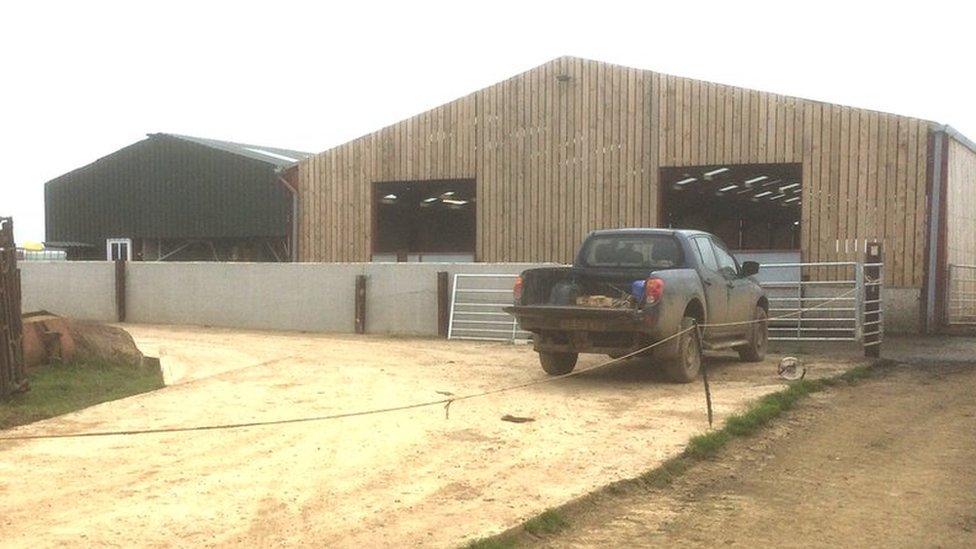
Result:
[557,364]
[755,350]
[686,363]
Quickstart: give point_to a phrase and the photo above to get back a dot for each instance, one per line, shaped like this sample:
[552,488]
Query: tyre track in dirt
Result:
[888,463]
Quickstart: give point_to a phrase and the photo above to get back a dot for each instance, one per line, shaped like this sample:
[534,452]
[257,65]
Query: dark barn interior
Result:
[413,218]
[749,206]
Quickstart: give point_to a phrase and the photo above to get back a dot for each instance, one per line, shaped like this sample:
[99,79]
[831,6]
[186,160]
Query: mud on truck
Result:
[630,288]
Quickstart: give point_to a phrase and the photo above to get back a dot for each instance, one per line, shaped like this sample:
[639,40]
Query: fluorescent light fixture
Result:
[431,200]
[716,172]
[777,197]
[686,180]
[454,201]
[794,199]
[728,188]
[790,186]
[447,194]
[390,197]
[756,179]
[764,193]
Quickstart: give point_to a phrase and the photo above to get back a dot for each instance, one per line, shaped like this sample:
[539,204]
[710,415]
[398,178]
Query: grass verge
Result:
[700,447]
[57,389]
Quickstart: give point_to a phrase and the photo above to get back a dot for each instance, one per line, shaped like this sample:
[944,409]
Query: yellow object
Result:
[33,246]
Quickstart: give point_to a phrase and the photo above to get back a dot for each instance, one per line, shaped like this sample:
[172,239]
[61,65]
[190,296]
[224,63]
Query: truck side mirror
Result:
[749,268]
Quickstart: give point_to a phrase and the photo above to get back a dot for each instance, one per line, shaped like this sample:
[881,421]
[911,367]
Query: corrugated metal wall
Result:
[575,145]
[166,188]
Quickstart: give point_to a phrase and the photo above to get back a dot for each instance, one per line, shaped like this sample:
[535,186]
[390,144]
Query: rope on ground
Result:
[446,402]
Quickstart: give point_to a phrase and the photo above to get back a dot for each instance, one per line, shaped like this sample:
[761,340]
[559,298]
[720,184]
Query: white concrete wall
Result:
[401,298]
[79,289]
[902,310]
[280,296]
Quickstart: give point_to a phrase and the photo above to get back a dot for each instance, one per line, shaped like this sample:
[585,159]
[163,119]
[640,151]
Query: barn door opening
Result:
[424,221]
[748,206]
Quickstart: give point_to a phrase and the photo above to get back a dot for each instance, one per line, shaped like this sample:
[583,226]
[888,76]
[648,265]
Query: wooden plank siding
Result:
[961,205]
[576,145]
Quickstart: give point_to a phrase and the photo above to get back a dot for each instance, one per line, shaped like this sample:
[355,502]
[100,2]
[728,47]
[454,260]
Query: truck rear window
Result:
[634,251]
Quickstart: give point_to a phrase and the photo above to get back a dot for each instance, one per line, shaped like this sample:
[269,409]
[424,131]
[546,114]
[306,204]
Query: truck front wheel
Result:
[557,364]
[684,366]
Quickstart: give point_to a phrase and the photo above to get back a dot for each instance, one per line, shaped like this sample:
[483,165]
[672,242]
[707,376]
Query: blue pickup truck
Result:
[629,288]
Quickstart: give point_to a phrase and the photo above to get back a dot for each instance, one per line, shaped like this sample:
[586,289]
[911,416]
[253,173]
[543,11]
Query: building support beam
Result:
[935,262]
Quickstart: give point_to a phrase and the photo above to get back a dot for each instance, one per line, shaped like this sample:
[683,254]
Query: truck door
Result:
[740,305]
[716,292]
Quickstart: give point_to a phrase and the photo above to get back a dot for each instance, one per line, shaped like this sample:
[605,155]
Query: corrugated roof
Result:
[279,158]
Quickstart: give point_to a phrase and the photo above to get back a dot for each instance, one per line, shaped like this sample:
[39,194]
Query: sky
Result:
[83,79]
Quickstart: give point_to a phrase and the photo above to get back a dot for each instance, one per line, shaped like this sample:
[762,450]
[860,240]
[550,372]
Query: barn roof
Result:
[280,158]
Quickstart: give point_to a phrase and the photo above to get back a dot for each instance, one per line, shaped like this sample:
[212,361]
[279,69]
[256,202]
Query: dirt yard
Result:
[406,479]
[889,463]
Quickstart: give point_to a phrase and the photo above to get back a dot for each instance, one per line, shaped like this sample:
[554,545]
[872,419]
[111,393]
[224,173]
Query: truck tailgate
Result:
[564,317]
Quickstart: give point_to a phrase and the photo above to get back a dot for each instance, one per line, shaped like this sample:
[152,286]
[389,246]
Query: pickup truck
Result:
[630,288]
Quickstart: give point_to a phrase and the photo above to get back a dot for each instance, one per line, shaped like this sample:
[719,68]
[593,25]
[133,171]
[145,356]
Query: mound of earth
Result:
[49,337]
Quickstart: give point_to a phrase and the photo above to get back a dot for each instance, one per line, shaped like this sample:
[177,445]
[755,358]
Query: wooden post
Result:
[361,304]
[873,321]
[12,374]
[443,303]
[120,290]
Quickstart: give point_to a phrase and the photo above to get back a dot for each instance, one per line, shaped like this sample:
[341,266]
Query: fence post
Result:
[443,303]
[12,375]
[872,321]
[361,304]
[120,290]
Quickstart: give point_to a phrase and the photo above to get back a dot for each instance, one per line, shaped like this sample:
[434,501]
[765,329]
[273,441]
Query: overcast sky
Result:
[83,79]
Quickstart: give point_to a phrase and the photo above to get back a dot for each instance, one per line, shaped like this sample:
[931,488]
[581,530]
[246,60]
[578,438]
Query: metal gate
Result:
[476,308]
[961,299]
[799,310]
[820,310]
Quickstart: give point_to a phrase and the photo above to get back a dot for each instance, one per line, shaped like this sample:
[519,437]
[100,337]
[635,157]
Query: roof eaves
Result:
[274,156]
[962,139]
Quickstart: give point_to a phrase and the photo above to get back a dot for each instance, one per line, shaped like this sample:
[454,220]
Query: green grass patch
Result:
[491,543]
[549,522]
[665,474]
[855,374]
[706,444]
[768,408]
[57,389]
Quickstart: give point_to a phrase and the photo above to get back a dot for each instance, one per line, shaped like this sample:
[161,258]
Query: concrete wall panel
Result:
[79,289]
[279,296]
[401,299]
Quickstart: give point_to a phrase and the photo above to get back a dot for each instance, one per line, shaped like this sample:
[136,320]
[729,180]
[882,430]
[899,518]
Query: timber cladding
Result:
[575,145]
[961,204]
[12,373]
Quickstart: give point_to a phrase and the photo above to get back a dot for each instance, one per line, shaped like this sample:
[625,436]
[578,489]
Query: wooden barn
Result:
[520,171]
